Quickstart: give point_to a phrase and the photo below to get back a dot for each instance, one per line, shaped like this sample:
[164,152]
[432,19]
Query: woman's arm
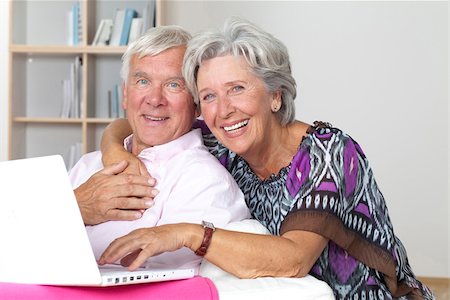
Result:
[248,255]
[112,147]
[245,255]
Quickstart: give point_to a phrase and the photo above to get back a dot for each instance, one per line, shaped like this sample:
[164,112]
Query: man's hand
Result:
[111,195]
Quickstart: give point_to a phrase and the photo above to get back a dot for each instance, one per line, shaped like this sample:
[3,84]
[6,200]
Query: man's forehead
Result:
[158,62]
[175,51]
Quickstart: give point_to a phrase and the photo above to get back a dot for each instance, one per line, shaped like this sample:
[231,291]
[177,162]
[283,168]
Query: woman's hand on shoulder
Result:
[111,194]
[135,166]
[113,151]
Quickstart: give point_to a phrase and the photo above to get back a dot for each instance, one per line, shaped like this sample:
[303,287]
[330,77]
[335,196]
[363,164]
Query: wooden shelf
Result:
[47,120]
[63,120]
[62,50]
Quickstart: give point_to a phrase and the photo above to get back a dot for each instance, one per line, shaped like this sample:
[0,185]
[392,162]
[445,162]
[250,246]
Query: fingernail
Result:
[155,192]
[152,181]
[149,203]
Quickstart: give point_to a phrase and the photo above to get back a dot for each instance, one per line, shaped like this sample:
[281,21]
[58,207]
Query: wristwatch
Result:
[209,229]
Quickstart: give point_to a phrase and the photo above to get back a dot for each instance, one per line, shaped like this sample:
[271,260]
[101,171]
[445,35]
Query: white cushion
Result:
[233,288]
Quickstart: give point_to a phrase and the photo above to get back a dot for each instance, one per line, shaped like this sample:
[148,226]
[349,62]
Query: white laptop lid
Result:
[43,238]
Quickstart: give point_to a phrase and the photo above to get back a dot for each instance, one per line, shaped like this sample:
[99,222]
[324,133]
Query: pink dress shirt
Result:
[193,186]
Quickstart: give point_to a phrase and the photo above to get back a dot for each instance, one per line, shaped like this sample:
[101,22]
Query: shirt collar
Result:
[168,150]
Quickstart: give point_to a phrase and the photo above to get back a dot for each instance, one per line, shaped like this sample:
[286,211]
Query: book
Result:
[103,34]
[117,27]
[76,24]
[129,15]
[73,100]
[65,107]
[121,111]
[149,16]
[109,104]
[115,102]
[74,154]
[70,28]
[135,30]
[97,33]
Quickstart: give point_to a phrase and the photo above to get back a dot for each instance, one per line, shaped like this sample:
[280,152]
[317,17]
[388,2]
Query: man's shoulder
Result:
[200,156]
[90,159]
[87,165]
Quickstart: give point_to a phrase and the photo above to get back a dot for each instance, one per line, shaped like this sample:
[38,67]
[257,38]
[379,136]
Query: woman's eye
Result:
[237,88]
[207,97]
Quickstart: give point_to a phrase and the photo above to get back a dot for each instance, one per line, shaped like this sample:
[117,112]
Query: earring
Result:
[275,108]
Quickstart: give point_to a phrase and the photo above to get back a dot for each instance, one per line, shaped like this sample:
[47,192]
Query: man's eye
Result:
[173,85]
[142,81]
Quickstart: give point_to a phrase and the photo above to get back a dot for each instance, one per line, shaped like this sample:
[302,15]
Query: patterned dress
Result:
[329,189]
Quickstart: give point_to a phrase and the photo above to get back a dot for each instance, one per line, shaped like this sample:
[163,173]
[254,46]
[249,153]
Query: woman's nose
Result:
[225,107]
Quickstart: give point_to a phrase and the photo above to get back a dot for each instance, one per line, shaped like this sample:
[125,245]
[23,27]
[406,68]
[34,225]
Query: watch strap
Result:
[209,229]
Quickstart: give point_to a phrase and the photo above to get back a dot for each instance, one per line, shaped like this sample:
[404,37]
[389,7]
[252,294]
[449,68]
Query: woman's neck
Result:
[282,144]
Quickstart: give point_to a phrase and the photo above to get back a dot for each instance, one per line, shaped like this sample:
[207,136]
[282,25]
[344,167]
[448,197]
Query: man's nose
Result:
[155,97]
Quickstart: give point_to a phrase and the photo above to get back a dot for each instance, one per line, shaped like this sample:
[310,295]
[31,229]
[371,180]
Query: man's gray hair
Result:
[152,42]
[266,56]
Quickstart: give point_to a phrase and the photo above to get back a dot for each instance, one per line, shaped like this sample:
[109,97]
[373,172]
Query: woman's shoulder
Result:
[324,136]
[324,130]
[213,145]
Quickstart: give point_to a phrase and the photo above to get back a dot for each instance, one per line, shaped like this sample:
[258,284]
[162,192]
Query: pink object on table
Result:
[193,288]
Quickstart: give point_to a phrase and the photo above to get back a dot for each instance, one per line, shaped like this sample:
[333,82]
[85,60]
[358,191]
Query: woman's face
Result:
[236,104]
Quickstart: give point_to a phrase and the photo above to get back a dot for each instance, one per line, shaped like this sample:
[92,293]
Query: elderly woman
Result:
[310,185]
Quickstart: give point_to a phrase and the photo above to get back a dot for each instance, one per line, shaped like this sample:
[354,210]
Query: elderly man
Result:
[193,185]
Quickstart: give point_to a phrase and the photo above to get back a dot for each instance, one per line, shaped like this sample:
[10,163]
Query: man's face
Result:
[159,106]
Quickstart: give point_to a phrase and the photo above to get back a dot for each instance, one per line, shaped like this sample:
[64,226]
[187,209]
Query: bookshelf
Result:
[41,56]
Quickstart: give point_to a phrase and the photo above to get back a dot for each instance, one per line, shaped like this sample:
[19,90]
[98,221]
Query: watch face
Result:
[208,224]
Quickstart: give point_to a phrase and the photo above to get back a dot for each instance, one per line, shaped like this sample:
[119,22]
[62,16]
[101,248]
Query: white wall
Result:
[377,70]
[4,34]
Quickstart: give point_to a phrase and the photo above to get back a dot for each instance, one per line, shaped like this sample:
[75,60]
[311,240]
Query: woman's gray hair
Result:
[266,56]
[152,42]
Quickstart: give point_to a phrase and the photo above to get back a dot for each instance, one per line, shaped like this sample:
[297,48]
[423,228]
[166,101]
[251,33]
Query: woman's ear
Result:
[276,101]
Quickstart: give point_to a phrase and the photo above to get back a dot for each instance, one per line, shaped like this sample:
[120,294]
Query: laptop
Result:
[43,238]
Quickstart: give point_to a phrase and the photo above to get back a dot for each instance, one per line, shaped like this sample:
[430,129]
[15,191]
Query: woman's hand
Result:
[112,195]
[135,166]
[135,248]
[113,150]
